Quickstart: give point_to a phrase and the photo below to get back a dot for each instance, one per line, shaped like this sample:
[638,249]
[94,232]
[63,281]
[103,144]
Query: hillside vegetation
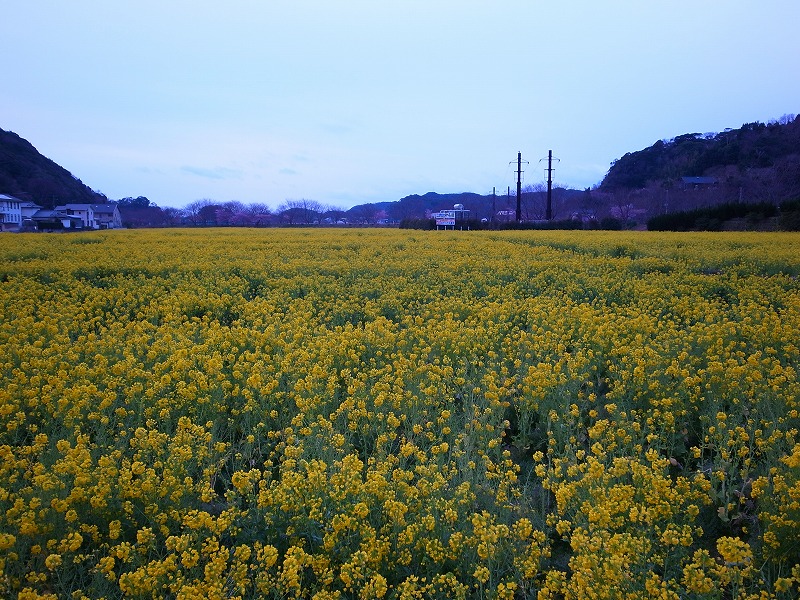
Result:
[753,146]
[756,163]
[26,174]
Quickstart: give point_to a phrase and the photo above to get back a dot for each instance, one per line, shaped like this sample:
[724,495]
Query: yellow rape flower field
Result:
[368,414]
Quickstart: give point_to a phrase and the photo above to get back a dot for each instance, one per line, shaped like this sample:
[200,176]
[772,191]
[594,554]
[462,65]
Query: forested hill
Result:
[28,175]
[770,152]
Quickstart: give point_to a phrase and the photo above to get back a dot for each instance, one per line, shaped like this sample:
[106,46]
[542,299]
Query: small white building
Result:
[448,217]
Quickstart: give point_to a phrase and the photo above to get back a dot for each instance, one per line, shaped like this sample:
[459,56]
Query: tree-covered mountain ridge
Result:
[28,175]
[757,162]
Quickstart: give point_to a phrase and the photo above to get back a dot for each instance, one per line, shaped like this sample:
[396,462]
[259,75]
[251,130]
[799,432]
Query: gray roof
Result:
[104,208]
[46,213]
[74,207]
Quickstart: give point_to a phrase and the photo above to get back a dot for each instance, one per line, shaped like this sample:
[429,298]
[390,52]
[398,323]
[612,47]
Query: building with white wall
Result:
[14,212]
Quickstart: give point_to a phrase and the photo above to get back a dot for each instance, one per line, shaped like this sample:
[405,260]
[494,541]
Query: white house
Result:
[84,212]
[14,212]
[11,211]
[107,216]
[94,216]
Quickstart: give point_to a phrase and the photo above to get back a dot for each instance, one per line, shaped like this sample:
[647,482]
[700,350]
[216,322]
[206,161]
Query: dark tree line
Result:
[764,215]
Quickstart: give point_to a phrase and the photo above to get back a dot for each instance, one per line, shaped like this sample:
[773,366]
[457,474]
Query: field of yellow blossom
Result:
[326,414]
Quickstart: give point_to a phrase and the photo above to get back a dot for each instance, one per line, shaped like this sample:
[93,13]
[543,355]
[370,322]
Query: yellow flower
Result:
[481,574]
[53,561]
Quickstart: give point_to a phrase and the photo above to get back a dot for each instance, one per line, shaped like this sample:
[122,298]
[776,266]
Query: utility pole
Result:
[549,213]
[494,204]
[519,186]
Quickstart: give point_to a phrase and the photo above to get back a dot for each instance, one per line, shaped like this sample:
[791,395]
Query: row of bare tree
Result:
[139,212]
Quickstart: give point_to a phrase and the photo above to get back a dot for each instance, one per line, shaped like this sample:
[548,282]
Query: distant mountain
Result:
[26,174]
[416,206]
[533,203]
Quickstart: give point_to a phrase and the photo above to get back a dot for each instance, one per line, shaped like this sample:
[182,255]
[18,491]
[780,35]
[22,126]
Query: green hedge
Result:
[712,218]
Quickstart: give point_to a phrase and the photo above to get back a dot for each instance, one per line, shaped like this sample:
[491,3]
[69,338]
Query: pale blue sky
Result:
[365,100]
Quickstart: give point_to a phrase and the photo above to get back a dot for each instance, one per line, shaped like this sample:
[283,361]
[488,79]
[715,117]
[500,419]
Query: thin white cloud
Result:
[215,173]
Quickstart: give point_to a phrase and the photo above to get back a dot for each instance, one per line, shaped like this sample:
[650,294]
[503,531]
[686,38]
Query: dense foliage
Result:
[712,218]
[26,174]
[754,146]
[761,216]
[403,414]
